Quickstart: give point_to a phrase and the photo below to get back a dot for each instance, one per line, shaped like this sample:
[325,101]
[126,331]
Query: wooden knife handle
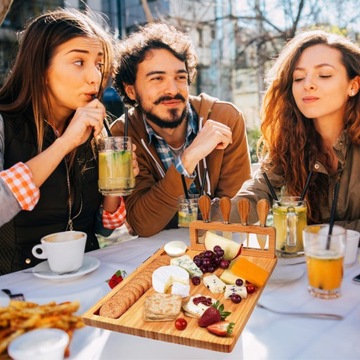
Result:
[244,209]
[205,206]
[225,207]
[263,207]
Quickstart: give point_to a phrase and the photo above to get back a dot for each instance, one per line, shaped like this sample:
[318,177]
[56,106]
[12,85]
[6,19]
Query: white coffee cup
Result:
[352,247]
[63,250]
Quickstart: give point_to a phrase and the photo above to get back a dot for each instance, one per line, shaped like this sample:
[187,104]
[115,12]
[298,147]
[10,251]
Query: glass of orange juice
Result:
[324,259]
[116,174]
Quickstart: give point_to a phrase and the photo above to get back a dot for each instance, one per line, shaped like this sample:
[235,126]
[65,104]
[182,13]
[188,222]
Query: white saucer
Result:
[43,271]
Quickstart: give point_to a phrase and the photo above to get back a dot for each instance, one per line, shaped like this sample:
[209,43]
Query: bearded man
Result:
[175,133]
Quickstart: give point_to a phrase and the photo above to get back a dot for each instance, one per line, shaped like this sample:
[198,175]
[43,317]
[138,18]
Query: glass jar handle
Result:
[291,221]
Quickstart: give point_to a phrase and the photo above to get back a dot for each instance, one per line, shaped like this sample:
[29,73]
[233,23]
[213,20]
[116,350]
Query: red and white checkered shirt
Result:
[19,179]
[116,219]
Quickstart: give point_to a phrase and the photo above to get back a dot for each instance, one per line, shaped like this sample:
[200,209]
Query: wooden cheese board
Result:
[133,323]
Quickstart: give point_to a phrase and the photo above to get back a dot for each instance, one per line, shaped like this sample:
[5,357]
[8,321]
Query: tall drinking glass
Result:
[116,175]
[324,259]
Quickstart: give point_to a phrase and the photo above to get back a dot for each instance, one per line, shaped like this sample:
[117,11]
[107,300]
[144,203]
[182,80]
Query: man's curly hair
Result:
[157,35]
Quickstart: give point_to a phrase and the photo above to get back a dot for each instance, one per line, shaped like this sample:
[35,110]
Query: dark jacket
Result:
[51,213]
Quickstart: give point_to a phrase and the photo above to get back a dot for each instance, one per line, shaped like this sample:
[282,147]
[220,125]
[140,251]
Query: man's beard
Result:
[173,121]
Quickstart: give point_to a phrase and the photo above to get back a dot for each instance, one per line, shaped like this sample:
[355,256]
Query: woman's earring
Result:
[352,93]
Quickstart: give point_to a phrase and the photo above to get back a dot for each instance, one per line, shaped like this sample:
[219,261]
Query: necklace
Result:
[70,219]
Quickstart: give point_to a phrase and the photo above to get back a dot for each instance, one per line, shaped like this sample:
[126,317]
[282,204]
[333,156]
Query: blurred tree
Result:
[253,136]
[4,9]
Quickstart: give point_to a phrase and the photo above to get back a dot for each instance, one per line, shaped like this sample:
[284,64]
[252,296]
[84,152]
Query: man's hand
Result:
[213,135]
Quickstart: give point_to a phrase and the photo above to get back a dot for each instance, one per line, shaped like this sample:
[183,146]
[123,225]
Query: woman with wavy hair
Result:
[50,115]
[311,125]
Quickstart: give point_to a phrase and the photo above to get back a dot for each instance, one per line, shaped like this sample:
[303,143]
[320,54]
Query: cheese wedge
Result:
[229,278]
[249,271]
[180,289]
[214,284]
[233,289]
[188,264]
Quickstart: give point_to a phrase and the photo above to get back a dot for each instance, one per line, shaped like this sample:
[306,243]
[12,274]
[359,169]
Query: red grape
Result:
[235,298]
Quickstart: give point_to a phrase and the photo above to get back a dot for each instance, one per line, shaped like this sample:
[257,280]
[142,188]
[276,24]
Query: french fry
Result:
[22,316]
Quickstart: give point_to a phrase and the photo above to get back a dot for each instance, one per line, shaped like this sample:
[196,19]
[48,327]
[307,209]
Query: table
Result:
[266,335]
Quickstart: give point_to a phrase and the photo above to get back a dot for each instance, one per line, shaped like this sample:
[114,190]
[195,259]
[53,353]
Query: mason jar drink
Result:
[290,218]
[187,211]
[116,175]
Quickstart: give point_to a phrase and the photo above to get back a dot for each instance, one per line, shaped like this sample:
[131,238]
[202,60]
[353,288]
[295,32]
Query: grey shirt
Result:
[9,205]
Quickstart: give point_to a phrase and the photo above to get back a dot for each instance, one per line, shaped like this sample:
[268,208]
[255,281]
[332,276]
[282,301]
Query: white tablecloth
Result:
[266,335]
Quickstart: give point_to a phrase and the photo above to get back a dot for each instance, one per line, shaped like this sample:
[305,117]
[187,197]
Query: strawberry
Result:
[221,328]
[117,278]
[213,314]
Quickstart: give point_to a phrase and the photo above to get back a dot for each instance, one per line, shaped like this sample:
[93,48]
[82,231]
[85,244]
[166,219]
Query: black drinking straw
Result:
[186,193]
[306,186]
[184,186]
[202,190]
[332,215]
[106,126]
[270,187]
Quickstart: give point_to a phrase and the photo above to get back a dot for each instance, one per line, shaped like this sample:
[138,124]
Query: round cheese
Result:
[165,276]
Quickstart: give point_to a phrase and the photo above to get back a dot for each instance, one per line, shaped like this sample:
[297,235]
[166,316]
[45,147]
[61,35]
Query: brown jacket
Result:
[152,206]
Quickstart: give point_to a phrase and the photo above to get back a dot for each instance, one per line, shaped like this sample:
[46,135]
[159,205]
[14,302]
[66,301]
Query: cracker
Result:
[162,307]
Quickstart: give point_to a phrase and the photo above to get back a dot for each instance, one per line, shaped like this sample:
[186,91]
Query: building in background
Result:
[235,40]
[208,25]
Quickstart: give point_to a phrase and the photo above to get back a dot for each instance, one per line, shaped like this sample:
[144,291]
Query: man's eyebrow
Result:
[160,72]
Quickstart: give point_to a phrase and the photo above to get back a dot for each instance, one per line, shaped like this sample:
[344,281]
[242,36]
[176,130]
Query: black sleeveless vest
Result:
[51,213]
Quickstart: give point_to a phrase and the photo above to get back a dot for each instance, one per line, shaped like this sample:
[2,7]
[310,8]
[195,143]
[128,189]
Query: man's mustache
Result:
[166,98]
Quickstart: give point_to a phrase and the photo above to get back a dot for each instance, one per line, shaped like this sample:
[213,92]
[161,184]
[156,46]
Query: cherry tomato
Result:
[180,323]
[250,288]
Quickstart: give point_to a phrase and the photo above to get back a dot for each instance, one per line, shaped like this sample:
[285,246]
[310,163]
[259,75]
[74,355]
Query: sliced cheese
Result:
[214,284]
[188,264]
[180,289]
[233,289]
[164,276]
[249,271]
[229,278]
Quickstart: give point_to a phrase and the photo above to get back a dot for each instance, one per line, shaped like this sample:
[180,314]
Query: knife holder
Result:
[199,226]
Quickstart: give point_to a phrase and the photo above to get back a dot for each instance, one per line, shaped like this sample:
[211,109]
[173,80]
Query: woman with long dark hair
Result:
[50,115]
